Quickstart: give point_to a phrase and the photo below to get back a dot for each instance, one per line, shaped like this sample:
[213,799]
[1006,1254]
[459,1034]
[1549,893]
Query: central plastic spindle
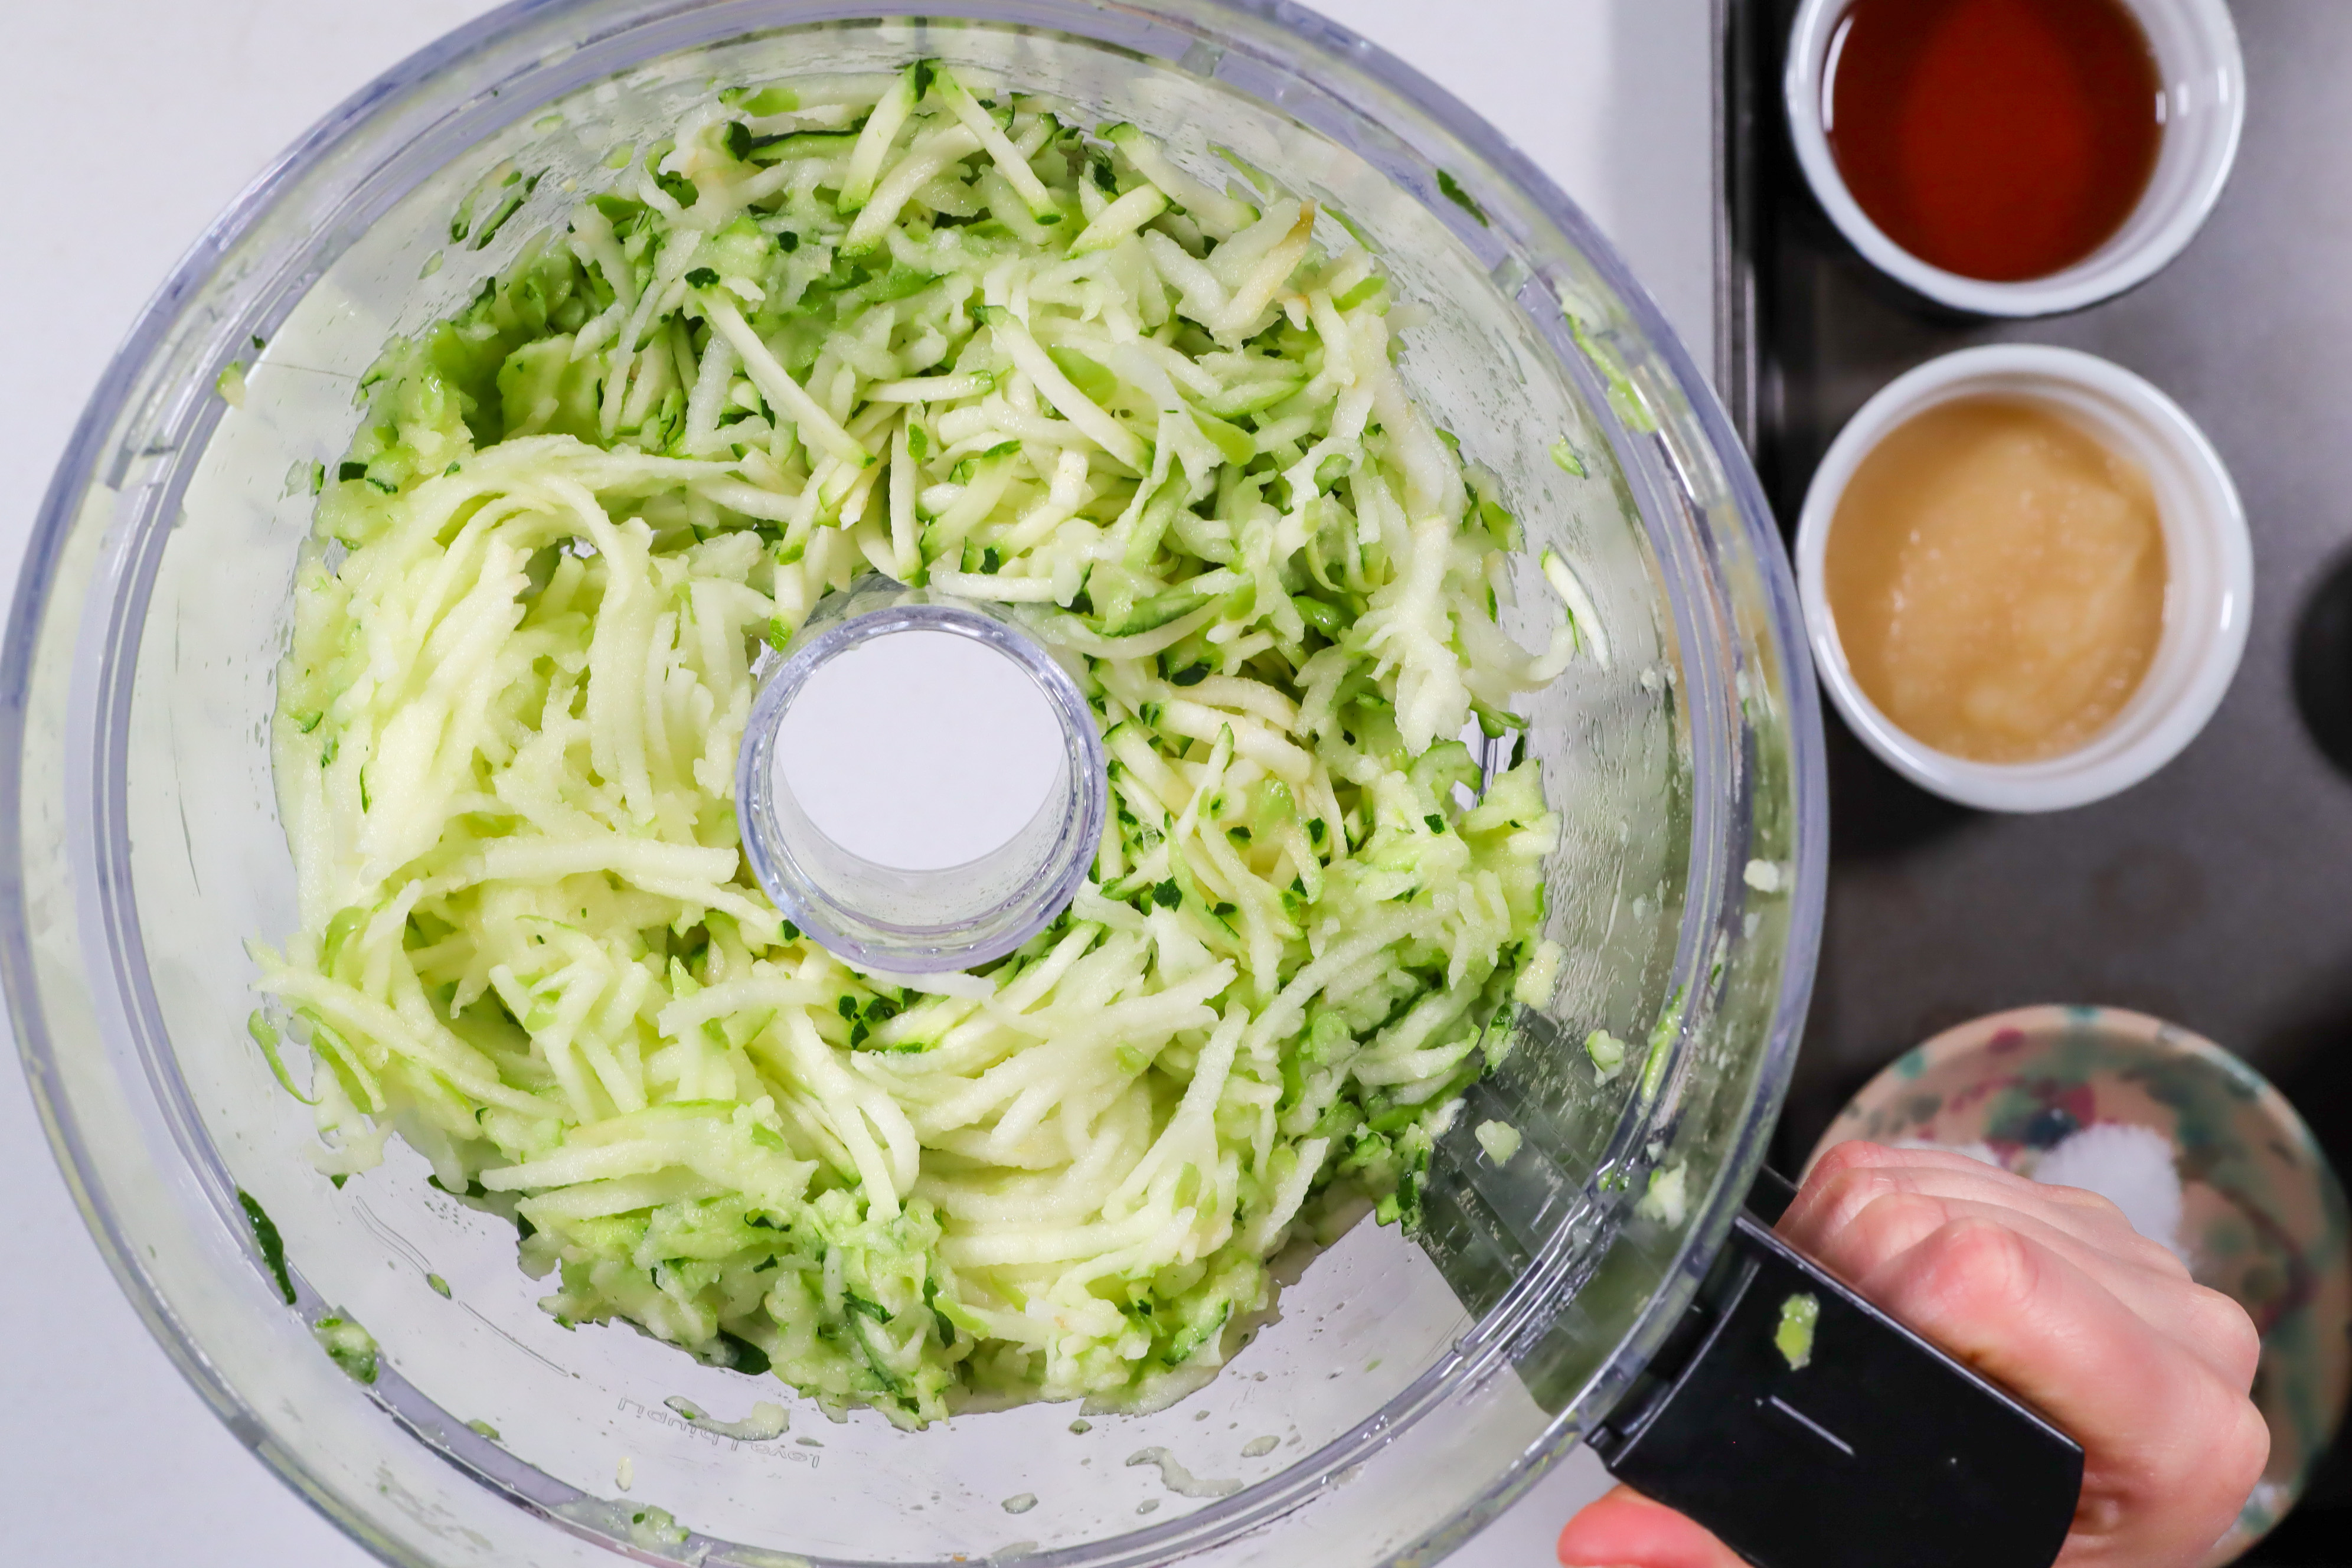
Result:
[921,786]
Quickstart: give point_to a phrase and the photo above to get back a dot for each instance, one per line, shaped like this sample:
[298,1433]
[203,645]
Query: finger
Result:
[2201,1323]
[2171,1449]
[1862,1152]
[1850,1173]
[1626,1530]
[1831,1202]
[1860,1217]
[1856,1229]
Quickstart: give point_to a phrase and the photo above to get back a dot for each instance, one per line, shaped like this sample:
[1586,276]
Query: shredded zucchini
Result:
[913,326]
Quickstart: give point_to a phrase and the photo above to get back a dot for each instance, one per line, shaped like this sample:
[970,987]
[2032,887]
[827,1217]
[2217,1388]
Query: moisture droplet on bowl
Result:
[1179,1479]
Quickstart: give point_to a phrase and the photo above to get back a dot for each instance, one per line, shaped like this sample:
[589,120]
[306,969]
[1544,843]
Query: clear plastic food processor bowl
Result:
[1411,1389]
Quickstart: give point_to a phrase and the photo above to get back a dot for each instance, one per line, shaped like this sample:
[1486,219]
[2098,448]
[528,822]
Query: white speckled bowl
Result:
[2264,1218]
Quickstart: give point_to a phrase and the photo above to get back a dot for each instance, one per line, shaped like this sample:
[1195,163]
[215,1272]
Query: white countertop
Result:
[135,121]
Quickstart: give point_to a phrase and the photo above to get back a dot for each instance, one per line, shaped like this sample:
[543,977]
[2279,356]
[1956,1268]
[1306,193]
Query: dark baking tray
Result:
[2219,893]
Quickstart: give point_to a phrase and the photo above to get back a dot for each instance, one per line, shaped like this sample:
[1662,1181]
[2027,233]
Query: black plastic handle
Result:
[1866,1448]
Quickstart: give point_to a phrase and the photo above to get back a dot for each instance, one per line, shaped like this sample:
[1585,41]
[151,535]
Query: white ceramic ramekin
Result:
[2209,561]
[2204,105]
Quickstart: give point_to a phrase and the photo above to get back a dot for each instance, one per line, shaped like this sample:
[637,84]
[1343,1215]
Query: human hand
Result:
[2051,1293]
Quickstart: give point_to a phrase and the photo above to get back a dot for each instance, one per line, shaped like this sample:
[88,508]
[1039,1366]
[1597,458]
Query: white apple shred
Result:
[913,326]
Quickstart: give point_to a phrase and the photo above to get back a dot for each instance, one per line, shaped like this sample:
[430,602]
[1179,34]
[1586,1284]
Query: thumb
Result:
[1626,1530]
